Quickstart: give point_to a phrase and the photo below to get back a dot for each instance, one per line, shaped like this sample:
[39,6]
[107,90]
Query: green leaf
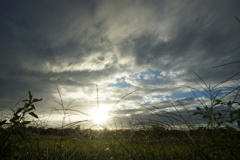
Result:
[19,110]
[33,107]
[26,105]
[30,95]
[37,100]
[3,122]
[205,116]
[218,101]
[16,115]
[25,122]
[14,118]
[229,103]
[199,109]
[195,113]
[33,114]
[29,109]
[25,100]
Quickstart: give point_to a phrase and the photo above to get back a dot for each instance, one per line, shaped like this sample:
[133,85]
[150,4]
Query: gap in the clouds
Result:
[149,74]
[125,106]
[121,83]
[147,102]
[153,98]
[204,94]
[158,96]
[178,95]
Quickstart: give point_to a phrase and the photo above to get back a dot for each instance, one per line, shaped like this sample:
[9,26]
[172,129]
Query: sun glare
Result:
[99,116]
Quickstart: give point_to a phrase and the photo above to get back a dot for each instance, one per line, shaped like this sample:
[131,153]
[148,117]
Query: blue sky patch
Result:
[158,96]
[121,83]
[187,94]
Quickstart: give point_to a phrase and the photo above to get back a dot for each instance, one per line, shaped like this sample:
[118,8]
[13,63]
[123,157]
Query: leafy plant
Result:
[18,121]
[234,116]
[211,111]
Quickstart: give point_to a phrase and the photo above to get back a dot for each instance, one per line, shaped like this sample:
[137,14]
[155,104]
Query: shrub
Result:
[15,125]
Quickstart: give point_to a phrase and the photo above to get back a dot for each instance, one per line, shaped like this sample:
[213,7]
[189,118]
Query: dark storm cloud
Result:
[48,32]
[203,34]
[46,29]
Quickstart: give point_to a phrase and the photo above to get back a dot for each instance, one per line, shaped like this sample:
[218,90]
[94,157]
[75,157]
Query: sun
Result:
[99,116]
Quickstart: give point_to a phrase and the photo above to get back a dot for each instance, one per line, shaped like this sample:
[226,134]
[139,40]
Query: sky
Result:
[122,59]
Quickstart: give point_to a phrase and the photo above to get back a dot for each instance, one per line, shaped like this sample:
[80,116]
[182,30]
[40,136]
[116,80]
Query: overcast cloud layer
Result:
[154,46]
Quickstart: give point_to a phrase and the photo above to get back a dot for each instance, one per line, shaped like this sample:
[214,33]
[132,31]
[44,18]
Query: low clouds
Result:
[153,46]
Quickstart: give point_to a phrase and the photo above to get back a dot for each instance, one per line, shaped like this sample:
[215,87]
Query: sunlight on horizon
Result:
[99,115]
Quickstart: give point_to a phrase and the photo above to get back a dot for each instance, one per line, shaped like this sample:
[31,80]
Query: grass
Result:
[168,144]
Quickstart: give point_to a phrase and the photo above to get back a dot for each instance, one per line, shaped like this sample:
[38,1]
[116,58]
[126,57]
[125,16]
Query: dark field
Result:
[151,143]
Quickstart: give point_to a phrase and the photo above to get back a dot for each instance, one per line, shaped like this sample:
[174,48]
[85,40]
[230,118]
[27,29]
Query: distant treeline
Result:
[152,131]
